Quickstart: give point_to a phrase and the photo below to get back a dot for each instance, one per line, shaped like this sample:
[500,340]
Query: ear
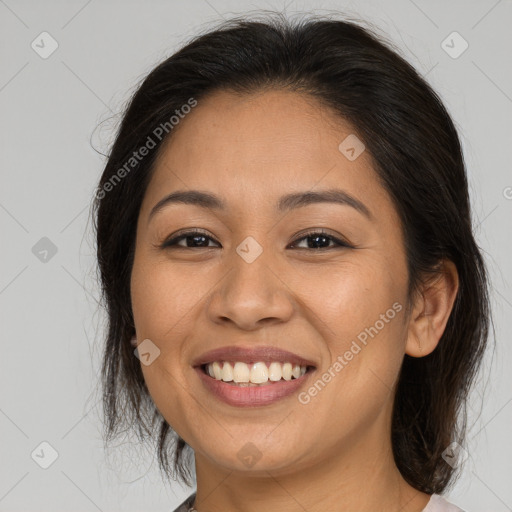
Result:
[431,310]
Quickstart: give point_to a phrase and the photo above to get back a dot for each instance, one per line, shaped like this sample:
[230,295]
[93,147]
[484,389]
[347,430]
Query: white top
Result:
[436,504]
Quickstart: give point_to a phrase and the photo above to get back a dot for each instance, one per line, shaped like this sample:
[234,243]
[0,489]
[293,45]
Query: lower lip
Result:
[251,396]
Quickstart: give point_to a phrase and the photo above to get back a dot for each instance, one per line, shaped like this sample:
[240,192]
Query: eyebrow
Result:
[285,203]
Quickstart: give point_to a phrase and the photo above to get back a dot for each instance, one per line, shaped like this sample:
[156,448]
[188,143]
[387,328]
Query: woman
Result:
[284,236]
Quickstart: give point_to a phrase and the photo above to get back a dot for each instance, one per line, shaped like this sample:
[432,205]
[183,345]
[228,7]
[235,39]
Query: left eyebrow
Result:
[297,200]
[285,203]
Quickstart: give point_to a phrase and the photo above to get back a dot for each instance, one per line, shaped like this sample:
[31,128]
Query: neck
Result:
[363,477]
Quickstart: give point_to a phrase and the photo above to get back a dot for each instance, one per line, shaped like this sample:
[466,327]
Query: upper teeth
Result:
[257,373]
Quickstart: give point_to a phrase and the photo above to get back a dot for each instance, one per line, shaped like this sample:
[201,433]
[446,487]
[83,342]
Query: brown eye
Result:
[320,240]
[192,239]
[316,240]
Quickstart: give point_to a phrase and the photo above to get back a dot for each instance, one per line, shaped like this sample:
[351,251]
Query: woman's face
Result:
[253,278]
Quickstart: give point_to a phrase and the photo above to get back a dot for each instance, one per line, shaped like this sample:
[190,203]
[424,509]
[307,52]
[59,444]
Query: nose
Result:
[251,294]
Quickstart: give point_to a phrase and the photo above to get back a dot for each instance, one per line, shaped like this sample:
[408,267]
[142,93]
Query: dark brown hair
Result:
[418,159]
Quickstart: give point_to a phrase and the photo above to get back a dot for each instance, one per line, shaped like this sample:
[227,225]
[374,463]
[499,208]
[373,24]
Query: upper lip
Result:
[266,354]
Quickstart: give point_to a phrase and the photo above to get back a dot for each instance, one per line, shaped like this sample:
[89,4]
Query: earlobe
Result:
[431,311]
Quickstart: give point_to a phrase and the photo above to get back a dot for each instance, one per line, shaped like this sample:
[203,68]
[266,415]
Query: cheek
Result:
[163,296]
[350,297]
[362,323]
[162,304]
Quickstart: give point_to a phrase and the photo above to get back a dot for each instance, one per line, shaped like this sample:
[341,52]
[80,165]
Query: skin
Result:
[333,453]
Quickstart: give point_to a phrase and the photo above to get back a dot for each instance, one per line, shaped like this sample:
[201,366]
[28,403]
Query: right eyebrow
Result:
[194,197]
[299,199]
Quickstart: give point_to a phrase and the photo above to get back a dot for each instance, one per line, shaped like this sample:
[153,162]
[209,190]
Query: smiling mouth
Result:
[259,373]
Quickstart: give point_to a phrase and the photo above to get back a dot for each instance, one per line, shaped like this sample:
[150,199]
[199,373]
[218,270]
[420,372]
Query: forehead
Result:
[259,146]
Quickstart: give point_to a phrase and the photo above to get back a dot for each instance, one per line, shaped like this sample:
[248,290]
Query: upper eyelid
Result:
[340,240]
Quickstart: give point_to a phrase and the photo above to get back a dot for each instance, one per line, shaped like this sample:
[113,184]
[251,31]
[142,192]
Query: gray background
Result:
[51,326]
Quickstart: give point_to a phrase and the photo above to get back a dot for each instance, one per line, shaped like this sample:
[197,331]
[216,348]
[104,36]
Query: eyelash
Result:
[172,242]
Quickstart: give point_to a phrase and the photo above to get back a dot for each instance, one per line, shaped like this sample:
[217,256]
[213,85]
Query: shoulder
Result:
[186,504]
[439,504]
